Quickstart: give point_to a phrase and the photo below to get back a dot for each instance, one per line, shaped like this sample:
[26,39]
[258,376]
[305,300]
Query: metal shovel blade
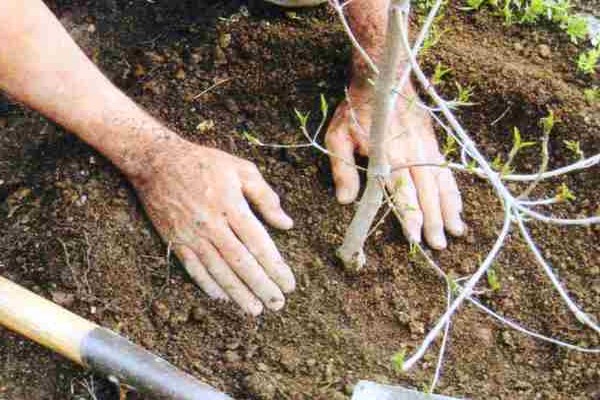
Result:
[367,390]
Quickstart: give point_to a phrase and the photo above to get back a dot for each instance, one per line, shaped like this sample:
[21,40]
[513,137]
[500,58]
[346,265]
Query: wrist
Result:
[137,144]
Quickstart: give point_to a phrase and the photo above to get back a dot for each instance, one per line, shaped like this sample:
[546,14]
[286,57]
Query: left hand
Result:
[426,196]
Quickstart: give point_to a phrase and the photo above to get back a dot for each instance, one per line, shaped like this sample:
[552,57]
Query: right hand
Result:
[426,197]
[196,198]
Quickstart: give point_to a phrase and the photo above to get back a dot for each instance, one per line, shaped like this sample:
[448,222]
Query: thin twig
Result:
[211,87]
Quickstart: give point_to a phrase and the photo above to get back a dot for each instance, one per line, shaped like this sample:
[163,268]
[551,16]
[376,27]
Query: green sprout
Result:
[324,105]
[574,147]
[439,73]
[412,251]
[534,10]
[454,286]
[398,360]
[493,280]
[433,37]
[250,138]
[449,146]
[302,118]
[564,193]
[576,27]
[507,13]
[497,163]
[587,62]
[472,165]
[474,5]
[518,145]
[464,94]
[548,122]
[592,95]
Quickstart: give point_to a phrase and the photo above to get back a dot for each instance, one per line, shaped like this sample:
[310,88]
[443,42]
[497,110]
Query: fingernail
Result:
[288,284]
[412,236]
[344,195]
[275,303]
[438,242]
[456,227]
[286,222]
[255,308]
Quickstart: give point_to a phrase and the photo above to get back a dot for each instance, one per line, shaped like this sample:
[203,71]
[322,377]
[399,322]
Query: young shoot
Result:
[439,73]
[587,62]
[564,193]
[474,5]
[450,146]
[592,95]
[463,96]
[493,279]
[547,122]
[574,147]
[518,145]
[398,360]
[576,27]
[251,138]
[302,118]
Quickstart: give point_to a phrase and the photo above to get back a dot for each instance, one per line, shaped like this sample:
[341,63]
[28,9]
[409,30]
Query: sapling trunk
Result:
[351,251]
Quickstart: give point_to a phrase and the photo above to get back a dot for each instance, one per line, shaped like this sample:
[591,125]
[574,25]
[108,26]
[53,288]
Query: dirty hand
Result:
[196,197]
[426,196]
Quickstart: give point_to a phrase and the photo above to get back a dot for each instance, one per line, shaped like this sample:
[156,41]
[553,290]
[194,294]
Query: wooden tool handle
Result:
[42,321]
[95,347]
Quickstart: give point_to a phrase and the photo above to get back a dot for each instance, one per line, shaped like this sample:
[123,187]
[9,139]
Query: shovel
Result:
[95,347]
[367,390]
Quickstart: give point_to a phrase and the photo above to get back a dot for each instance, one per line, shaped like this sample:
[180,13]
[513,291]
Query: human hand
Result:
[196,198]
[426,196]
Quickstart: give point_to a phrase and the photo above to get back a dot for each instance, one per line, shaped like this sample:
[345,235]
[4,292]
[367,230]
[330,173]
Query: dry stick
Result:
[351,251]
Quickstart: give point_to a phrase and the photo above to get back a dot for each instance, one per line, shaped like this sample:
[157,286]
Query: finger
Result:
[199,273]
[407,203]
[429,199]
[451,203]
[260,194]
[345,176]
[247,268]
[226,278]
[256,239]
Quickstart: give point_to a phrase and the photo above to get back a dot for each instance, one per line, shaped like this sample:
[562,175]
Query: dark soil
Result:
[336,328]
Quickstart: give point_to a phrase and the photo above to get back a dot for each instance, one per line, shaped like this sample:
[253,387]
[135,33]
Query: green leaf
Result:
[439,73]
[548,122]
[497,163]
[564,193]
[587,62]
[398,360]
[250,138]
[324,105]
[492,278]
[471,165]
[303,118]
[574,147]
[516,137]
[577,28]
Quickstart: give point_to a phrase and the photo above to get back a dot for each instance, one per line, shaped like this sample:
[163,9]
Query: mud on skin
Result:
[336,328]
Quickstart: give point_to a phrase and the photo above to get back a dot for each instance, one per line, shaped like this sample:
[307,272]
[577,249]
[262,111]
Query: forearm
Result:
[368,21]
[44,68]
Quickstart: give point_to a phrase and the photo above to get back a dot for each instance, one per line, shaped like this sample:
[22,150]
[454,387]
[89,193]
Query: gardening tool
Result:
[95,347]
[367,390]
